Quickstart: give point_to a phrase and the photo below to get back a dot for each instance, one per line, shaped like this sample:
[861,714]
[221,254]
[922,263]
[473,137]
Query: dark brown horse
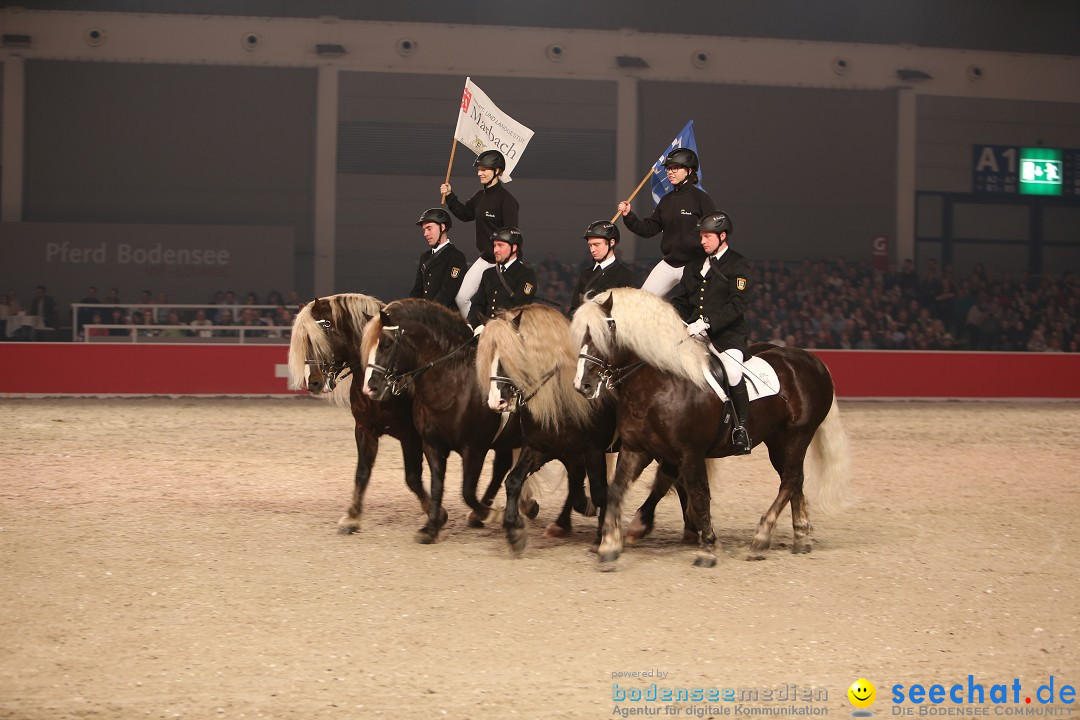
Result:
[324,356]
[527,361]
[667,412]
[420,350]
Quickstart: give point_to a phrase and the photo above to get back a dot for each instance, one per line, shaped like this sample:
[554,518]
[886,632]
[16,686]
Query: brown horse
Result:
[667,412]
[526,358]
[420,350]
[324,355]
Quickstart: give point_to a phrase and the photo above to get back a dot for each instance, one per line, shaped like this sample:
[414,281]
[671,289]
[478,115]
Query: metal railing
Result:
[183,332]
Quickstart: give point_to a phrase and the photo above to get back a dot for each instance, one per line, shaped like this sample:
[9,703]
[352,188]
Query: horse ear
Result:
[517,319]
[385,319]
[606,305]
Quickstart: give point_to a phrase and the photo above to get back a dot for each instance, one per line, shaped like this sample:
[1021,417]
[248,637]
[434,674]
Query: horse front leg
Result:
[516,532]
[412,452]
[472,464]
[630,466]
[367,447]
[645,517]
[596,469]
[436,458]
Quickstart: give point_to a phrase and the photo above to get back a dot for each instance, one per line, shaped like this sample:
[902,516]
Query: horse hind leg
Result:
[367,447]
[698,510]
[787,459]
[575,498]
[645,517]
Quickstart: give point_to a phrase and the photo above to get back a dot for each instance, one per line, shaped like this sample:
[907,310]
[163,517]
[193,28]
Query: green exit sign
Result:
[1041,171]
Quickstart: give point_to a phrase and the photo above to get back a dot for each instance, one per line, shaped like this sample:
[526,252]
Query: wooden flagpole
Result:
[453,149]
[638,188]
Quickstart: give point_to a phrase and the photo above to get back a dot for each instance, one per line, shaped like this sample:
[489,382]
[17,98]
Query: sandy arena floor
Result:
[178,558]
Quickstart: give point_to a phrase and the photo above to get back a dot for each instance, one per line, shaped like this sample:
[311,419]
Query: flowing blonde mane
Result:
[349,312]
[647,326]
[528,353]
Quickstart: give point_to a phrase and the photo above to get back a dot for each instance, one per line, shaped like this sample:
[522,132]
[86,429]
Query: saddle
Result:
[761,379]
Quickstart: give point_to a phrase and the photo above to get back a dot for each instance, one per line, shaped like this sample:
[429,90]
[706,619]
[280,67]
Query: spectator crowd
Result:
[826,304]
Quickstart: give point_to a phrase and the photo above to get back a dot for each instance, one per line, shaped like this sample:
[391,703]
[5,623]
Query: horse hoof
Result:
[473,521]
[638,531]
[532,510]
[518,542]
[800,548]
[347,529]
[759,547]
[704,560]
[554,530]
[689,537]
[424,536]
[608,556]
[754,558]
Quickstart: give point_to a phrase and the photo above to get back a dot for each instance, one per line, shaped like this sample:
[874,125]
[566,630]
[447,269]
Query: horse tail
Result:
[830,464]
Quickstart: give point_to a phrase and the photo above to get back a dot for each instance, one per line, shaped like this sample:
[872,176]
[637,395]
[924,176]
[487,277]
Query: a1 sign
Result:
[995,169]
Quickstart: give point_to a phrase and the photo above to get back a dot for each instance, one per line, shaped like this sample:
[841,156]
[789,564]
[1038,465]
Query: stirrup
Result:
[740,440]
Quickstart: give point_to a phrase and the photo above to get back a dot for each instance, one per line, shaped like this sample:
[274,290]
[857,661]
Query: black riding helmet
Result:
[602,229]
[438,216]
[492,159]
[510,236]
[716,222]
[682,157]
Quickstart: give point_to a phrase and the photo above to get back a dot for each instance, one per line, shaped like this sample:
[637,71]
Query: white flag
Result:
[483,126]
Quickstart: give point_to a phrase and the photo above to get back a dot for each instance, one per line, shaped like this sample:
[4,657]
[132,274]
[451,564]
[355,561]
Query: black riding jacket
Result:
[721,298]
[492,297]
[492,208]
[439,278]
[615,275]
[677,214]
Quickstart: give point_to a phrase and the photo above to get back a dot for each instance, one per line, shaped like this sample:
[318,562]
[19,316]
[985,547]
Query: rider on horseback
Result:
[712,297]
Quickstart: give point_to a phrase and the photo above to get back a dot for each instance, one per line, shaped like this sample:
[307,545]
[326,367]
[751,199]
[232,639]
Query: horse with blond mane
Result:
[527,361]
[324,357]
[668,412]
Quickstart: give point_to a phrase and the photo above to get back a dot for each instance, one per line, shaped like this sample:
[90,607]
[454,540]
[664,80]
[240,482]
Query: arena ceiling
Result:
[1024,26]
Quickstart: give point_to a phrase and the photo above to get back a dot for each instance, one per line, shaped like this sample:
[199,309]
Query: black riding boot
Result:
[740,438]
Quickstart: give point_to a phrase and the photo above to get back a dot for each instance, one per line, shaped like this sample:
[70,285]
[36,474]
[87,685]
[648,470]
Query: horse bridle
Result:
[333,370]
[400,382]
[521,399]
[610,377]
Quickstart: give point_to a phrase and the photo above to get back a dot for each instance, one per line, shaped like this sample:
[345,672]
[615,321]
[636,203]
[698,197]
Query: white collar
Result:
[439,247]
[705,265]
[605,263]
[509,262]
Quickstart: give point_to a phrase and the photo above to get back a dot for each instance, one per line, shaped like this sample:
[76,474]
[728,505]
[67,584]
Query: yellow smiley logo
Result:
[862,693]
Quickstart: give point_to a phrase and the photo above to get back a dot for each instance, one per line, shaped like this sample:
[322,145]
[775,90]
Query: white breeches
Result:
[470,284]
[732,361]
[662,278]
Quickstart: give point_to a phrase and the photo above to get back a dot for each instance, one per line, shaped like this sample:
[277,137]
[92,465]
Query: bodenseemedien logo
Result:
[862,694]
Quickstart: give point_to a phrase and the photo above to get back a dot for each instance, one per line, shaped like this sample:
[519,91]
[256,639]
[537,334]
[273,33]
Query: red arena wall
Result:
[30,369]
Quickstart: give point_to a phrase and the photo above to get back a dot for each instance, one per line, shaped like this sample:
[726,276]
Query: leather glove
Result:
[698,327]
[477,330]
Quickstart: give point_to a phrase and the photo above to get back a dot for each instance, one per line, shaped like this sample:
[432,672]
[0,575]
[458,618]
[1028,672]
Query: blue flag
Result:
[685,139]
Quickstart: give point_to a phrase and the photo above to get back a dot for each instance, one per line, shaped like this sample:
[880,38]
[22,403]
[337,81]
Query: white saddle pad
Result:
[761,380]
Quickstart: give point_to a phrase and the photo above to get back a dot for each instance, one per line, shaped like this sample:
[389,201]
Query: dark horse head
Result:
[405,340]
[325,347]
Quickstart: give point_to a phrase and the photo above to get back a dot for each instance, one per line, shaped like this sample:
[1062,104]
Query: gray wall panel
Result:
[377,240]
[171,144]
[789,165]
[949,127]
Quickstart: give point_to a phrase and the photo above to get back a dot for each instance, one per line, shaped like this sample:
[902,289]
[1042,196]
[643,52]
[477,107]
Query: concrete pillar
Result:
[11,151]
[326,125]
